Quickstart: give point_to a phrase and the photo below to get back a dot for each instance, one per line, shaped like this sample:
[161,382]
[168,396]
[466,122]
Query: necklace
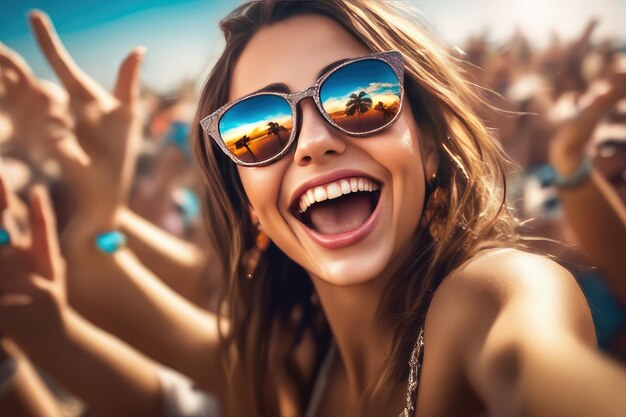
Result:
[414,369]
[411,394]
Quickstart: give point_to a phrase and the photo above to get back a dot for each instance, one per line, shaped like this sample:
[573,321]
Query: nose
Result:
[316,142]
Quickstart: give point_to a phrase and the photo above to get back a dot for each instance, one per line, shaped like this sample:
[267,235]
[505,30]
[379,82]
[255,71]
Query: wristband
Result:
[110,242]
[7,372]
[5,237]
[549,176]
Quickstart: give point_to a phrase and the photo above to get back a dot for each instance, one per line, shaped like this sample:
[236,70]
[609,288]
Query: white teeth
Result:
[320,194]
[354,185]
[335,189]
[311,197]
[345,187]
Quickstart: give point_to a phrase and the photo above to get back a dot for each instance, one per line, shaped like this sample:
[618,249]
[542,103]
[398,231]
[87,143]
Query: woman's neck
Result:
[352,314]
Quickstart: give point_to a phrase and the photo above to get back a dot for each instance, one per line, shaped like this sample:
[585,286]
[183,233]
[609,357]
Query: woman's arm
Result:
[119,294]
[183,266]
[25,393]
[524,336]
[110,377]
[593,208]
[99,157]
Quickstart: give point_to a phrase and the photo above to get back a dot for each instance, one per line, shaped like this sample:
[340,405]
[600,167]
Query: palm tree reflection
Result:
[243,143]
[387,111]
[358,103]
[275,129]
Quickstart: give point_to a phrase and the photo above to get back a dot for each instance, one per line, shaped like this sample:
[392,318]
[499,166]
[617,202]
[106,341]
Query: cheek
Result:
[409,183]
[400,155]
[262,186]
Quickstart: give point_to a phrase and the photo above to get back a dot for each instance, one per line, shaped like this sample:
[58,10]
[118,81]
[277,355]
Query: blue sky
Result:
[357,76]
[183,38]
[252,114]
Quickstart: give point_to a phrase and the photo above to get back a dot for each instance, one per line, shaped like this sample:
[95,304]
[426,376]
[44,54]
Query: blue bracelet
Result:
[548,175]
[110,242]
[5,237]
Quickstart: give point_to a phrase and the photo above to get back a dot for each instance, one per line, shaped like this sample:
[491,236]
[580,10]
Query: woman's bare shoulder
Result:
[500,307]
[530,288]
[501,274]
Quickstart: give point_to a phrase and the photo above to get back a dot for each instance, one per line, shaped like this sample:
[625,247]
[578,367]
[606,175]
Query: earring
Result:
[253,256]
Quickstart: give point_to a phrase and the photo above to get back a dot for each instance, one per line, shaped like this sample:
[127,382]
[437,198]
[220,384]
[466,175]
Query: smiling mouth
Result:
[339,206]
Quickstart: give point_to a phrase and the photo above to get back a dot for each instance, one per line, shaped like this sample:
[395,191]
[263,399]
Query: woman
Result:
[324,319]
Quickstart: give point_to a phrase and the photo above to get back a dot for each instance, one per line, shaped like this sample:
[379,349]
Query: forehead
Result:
[292,52]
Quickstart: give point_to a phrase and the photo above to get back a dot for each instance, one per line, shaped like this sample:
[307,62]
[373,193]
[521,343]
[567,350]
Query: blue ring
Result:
[5,237]
[110,242]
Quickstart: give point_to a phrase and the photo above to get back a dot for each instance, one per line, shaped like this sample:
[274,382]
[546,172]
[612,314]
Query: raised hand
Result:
[593,209]
[32,278]
[96,134]
[38,110]
[568,146]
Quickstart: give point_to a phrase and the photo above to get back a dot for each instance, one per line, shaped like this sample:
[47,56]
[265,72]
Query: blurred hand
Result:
[95,134]
[568,146]
[37,110]
[32,278]
[562,62]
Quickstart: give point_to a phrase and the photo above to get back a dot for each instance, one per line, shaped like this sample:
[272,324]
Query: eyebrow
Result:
[282,87]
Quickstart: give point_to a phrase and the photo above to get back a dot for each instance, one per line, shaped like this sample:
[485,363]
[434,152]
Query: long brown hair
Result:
[466,211]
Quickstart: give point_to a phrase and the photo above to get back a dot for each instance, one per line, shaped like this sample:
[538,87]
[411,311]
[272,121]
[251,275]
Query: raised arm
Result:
[24,394]
[183,266]
[117,292]
[95,136]
[110,377]
[122,296]
[593,208]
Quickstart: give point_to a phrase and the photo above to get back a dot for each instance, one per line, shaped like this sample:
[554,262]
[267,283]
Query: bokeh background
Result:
[183,37]
[531,56]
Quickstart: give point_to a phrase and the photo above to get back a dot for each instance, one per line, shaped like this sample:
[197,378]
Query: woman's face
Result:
[352,238]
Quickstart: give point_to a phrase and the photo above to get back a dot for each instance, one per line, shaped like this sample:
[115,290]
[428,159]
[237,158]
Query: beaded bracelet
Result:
[110,242]
[549,176]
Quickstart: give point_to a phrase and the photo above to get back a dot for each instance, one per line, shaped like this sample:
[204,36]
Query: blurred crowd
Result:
[530,95]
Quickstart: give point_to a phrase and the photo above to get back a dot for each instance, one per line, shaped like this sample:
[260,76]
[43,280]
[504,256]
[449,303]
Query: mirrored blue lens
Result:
[362,96]
[258,128]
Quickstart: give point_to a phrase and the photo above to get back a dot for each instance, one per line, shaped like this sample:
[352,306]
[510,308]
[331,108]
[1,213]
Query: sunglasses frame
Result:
[210,123]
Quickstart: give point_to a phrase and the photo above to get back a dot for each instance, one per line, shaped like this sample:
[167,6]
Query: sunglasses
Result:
[358,97]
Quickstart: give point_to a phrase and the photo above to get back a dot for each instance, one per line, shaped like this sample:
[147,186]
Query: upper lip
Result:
[325,179]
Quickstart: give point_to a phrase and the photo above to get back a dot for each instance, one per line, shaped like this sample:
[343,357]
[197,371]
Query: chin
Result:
[350,272]
[358,264]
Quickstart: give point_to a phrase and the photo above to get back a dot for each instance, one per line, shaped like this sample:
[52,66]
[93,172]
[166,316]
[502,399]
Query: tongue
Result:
[341,214]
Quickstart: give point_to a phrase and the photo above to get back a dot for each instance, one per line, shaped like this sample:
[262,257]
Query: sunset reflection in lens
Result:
[362,96]
[257,128]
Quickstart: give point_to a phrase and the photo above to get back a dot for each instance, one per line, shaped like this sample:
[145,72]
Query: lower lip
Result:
[349,238]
